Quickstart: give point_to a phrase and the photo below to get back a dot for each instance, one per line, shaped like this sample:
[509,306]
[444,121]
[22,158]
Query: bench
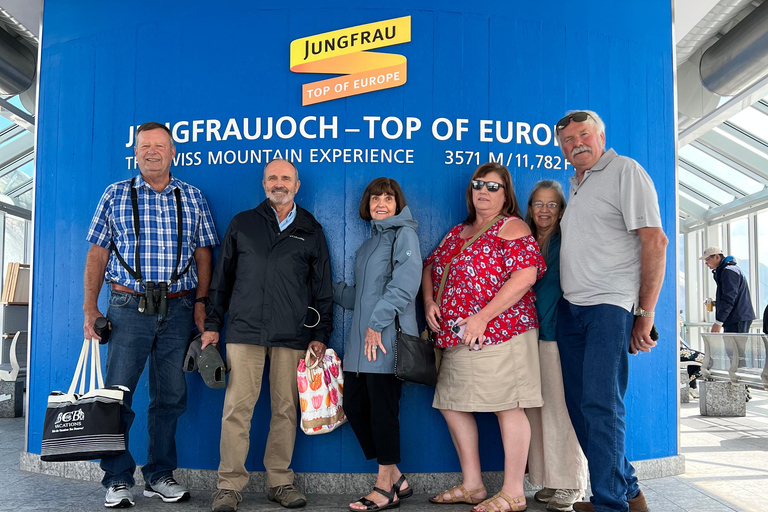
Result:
[731,361]
[12,377]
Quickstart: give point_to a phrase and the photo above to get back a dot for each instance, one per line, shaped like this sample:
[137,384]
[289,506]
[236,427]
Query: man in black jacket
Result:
[273,276]
[732,300]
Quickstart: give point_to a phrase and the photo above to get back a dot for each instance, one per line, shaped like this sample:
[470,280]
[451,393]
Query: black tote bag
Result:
[84,426]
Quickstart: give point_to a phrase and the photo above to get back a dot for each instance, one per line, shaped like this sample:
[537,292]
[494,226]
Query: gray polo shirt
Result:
[600,252]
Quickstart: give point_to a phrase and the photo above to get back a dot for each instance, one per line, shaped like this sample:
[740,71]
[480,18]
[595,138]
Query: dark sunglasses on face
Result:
[579,117]
[492,186]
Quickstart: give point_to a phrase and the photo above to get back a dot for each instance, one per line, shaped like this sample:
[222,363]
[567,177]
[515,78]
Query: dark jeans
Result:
[737,327]
[372,406]
[163,339]
[594,341]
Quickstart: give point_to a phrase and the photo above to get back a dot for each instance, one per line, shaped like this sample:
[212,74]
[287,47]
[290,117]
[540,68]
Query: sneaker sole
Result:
[295,504]
[559,509]
[124,503]
[167,499]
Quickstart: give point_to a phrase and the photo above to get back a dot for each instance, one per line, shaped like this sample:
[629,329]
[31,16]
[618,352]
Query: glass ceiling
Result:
[727,166]
[16,162]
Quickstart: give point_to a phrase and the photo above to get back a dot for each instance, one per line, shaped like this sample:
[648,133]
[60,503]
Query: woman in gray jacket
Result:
[387,275]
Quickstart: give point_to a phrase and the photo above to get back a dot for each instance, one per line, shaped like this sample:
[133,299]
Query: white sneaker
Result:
[564,499]
[168,489]
[119,496]
[544,495]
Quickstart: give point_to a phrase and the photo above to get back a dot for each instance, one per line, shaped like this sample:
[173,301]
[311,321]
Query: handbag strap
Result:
[392,264]
[466,244]
[82,368]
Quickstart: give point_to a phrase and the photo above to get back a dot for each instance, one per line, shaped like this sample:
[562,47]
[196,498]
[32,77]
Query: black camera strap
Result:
[136,274]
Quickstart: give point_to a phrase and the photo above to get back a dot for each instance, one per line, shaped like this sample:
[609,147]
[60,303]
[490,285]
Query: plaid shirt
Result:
[113,224]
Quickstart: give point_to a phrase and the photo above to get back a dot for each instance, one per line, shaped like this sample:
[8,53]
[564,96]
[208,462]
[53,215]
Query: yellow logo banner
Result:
[344,52]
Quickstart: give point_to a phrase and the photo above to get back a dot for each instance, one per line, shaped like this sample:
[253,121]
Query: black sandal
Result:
[370,505]
[404,494]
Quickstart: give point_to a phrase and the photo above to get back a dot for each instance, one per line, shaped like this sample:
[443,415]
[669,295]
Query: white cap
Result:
[711,251]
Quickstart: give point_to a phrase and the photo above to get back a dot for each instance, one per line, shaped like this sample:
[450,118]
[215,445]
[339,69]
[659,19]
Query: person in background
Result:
[387,271]
[733,304]
[555,459]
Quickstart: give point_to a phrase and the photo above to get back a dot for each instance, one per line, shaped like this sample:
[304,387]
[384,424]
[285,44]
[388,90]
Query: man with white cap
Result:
[732,300]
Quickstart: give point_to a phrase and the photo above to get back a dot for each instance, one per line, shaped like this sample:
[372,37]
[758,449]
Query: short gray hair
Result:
[593,119]
[281,160]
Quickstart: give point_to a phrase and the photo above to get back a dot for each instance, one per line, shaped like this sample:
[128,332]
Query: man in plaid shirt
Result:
[132,259]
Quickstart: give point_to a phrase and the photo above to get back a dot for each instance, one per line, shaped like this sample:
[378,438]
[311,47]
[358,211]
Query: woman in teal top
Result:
[555,459]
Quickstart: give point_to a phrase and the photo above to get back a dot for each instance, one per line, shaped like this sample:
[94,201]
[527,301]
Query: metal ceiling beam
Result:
[727,160]
[738,148]
[749,204]
[15,149]
[692,209]
[699,195]
[18,116]
[745,99]
[711,179]
[20,189]
[14,166]
[762,106]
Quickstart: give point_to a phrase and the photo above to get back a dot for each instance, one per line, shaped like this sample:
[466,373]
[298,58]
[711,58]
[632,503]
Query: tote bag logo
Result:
[344,52]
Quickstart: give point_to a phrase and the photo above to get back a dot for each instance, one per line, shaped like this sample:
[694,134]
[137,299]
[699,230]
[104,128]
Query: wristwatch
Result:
[203,300]
[641,312]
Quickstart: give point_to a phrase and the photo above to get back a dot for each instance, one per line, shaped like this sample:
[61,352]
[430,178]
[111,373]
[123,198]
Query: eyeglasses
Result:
[552,206]
[579,117]
[492,186]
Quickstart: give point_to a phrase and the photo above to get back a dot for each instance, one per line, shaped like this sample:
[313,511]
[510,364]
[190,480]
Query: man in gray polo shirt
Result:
[612,262]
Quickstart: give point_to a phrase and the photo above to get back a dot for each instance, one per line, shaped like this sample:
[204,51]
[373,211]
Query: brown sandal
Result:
[514,504]
[465,497]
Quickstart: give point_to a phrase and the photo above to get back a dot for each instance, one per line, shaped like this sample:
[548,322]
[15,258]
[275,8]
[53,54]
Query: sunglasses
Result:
[579,117]
[492,186]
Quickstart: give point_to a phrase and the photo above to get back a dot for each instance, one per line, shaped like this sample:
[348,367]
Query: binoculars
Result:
[155,300]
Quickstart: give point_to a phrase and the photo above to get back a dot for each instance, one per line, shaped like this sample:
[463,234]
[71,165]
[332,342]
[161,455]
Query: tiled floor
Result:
[726,470]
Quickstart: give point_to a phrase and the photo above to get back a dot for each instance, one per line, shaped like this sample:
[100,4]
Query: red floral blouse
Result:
[476,276]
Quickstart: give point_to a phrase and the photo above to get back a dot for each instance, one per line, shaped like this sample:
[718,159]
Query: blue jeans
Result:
[594,344]
[163,339]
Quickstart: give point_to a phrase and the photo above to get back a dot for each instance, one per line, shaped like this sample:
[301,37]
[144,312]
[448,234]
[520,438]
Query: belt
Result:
[125,289]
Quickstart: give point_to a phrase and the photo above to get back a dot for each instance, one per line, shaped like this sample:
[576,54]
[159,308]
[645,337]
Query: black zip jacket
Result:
[266,279]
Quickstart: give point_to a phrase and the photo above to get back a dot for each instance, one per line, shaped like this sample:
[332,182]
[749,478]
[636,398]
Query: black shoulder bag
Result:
[414,357]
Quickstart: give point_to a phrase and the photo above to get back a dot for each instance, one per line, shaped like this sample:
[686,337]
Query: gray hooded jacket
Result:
[379,292]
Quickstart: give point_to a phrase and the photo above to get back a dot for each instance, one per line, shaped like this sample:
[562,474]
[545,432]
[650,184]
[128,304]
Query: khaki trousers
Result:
[246,364]
[555,459]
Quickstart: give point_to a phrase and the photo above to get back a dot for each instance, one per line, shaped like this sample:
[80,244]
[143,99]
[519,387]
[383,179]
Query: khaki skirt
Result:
[495,378]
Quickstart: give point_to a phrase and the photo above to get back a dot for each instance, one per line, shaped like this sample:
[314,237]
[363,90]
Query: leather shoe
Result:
[636,504]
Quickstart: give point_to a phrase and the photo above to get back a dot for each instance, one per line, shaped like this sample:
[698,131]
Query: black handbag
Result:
[84,426]
[414,357]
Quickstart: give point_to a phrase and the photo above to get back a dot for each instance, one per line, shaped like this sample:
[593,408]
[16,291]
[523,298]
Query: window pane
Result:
[762,259]
[720,169]
[740,244]
[14,240]
[694,182]
[753,121]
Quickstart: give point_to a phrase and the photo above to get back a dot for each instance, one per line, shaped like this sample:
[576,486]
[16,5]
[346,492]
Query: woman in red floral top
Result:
[485,321]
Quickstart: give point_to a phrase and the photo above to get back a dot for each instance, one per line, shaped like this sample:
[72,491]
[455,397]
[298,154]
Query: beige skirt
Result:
[495,378]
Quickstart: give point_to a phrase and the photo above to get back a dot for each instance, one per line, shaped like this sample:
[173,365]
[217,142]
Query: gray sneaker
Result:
[287,495]
[118,496]
[544,495]
[226,500]
[168,490]
[563,500]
